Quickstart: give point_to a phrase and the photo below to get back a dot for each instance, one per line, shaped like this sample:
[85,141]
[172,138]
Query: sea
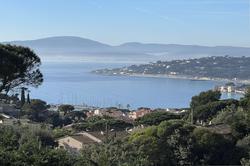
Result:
[73,83]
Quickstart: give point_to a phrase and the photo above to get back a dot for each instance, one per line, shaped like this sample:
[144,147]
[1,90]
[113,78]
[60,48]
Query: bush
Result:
[101,123]
[156,118]
[208,111]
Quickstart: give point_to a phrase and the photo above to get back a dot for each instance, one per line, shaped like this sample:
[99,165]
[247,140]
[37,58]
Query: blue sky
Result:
[201,22]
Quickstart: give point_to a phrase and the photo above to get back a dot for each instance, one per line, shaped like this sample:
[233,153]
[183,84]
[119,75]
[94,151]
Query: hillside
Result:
[62,41]
[63,44]
[77,46]
[233,68]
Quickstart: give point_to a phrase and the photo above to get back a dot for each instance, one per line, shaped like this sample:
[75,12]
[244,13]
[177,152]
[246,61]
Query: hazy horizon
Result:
[118,44]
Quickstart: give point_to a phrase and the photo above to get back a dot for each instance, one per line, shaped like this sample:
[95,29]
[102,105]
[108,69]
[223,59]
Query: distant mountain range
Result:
[69,46]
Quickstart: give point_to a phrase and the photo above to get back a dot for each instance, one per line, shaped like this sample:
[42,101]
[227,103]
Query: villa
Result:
[76,142]
[139,113]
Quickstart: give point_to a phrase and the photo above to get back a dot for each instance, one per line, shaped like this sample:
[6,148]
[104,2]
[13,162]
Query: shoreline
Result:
[180,77]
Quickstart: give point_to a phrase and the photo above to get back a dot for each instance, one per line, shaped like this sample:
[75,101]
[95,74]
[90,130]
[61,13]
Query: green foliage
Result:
[214,149]
[97,123]
[9,137]
[210,67]
[36,110]
[45,137]
[240,124]
[66,108]
[207,105]
[245,101]
[113,153]
[222,117]
[61,132]
[19,66]
[245,145]
[208,111]
[8,98]
[37,105]
[30,146]
[156,118]
[170,141]
[245,162]
[205,98]
[237,117]
[175,142]
[239,121]
[58,157]
[77,116]
[31,153]
[166,144]
[56,120]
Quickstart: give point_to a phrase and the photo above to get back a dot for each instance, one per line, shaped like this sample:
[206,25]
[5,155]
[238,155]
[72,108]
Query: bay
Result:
[73,83]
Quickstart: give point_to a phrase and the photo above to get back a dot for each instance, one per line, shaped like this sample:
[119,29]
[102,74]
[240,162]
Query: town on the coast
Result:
[125,83]
[34,132]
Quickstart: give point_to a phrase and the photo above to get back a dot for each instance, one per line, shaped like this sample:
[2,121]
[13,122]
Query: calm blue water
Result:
[73,83]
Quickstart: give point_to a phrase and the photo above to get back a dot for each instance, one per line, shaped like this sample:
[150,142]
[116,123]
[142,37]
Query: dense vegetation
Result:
[97,123]
[179,142]
[156,118]
[168,140]
[207,104]
[212,67]
[37,111]
[28,146]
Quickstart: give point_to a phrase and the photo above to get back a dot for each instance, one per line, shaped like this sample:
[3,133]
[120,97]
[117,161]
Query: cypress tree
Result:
[23,96]
[28,98]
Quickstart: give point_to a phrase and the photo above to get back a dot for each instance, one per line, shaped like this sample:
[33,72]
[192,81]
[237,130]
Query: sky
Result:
[199,22]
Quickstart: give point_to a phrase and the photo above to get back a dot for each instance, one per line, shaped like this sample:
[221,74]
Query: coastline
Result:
[181,77]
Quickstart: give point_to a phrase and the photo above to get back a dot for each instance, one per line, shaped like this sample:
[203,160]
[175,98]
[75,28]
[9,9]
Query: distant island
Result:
[207,68]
